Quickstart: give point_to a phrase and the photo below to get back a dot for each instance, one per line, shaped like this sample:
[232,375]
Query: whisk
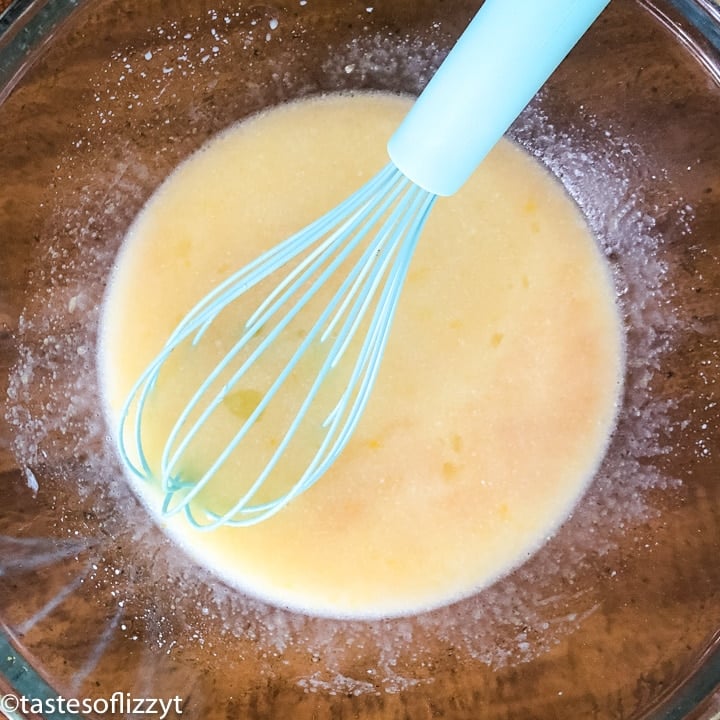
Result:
[502,59]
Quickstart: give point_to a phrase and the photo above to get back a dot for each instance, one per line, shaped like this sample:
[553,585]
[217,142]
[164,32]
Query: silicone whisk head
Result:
[297,376]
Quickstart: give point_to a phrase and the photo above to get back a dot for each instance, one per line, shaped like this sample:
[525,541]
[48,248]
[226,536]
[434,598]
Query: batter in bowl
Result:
[497,393]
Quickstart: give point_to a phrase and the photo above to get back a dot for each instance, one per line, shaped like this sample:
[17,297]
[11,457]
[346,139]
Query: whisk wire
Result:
[400,208]
[333,444]
[143,386]
[338,239]
[323,457]
[370,356]
[371,259]
[168,462]
[205,311]
[394,229]
[273,259]
[367,274]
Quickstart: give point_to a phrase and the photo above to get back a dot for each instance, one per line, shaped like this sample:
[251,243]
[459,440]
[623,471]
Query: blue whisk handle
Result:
[502,59]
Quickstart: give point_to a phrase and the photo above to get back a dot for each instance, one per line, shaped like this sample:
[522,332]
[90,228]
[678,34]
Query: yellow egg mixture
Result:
[497,393]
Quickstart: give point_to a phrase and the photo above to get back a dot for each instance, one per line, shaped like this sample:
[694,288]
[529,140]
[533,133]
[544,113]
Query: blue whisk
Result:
[507,52]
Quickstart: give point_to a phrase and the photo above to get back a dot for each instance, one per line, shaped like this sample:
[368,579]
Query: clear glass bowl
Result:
[616,617]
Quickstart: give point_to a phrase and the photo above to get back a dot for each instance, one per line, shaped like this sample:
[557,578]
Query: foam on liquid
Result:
[496,396]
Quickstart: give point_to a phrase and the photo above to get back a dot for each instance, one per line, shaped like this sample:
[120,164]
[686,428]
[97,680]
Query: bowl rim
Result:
[26,29]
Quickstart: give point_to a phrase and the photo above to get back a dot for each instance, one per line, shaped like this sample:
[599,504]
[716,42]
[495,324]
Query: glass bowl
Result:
[617,616]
